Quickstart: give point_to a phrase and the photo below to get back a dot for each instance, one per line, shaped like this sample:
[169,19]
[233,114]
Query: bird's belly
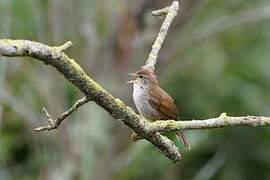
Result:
[144,108]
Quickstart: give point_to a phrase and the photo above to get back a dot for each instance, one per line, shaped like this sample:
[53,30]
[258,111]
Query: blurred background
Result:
[215,59]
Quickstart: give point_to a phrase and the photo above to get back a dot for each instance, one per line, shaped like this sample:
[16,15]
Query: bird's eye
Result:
[140,76]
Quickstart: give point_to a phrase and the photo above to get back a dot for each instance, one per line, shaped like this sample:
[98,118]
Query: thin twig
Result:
[170,12]
[65,46]
[54,124]
[161,12]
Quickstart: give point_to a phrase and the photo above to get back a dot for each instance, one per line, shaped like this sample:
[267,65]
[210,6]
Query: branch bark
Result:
[54,124]
[220,122]
[170,13]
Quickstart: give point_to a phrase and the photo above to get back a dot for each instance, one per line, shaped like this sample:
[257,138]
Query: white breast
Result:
[140,98]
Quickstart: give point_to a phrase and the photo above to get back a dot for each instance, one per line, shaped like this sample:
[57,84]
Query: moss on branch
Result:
[55,57]
[220,122]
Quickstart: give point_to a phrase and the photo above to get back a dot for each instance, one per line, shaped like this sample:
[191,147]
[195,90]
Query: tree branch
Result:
[93,91]
[170,13]
[54,124]
[220,122]
[73,72]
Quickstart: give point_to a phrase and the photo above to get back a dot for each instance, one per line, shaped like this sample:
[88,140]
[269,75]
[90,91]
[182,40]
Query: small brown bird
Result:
[152,102]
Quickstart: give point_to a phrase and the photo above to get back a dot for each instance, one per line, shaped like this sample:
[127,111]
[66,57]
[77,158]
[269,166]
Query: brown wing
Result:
[161,101]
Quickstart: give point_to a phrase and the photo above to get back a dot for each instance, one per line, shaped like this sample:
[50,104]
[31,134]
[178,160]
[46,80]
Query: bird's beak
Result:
[133,75]
[130,82]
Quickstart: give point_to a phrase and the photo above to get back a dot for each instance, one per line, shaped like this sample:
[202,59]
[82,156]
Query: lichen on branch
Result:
[219,122]
[55,57]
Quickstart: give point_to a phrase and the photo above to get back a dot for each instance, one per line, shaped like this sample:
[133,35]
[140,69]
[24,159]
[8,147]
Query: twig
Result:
[170,12]
[161,12]
[54,124]
[65,46]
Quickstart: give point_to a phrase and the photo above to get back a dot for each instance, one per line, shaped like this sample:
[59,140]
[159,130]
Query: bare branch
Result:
[65,46]
[54,124]
[170,12]
[161,12]
[220,122]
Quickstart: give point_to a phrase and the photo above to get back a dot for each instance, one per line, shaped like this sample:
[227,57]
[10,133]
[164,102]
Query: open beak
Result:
[133,75]
[130,82]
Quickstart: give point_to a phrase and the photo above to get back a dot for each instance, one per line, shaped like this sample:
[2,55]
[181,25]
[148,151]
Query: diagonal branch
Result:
[54,124]
[93,91]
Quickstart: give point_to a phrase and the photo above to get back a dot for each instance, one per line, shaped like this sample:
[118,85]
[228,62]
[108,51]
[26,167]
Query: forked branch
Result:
[54,124]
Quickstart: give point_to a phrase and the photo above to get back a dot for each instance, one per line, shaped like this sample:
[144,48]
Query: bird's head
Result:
[144,76]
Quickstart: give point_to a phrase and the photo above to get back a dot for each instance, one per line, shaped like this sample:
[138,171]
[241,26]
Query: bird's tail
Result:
[181,135]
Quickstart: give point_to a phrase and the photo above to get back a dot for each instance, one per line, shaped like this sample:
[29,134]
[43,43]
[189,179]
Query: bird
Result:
[152,102]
